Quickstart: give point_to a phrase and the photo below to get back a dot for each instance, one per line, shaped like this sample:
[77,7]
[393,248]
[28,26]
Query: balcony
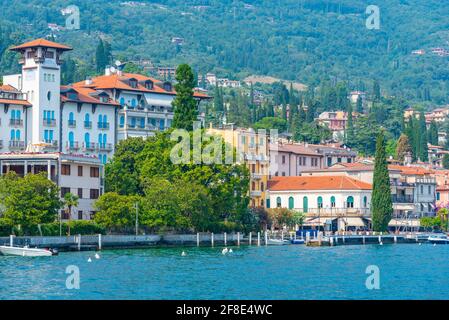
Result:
[16,145]
[337,212]
[103,125]
[105,146]
[16,122]
[256,176]
[52,144]
[89,146]
[72,145]
[49,122]
[88,124]
[72,123]
[402,198]
[256,193]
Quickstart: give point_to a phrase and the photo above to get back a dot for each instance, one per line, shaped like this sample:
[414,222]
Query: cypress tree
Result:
[359,105]
[184,104]
[381,203]
[423,148]
[350,126]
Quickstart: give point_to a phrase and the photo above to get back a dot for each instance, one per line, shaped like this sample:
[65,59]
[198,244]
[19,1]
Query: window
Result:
[65,169]
[94,172]
[80,193]
[332,202]
[278,202]
[429,189]
[268,203]
[283,159]
[48,95]
[291,203]
[122,121]
[305,204]
[339,160]
[80,215]
[320,202]
[49,55]
[64,191]
[329,161]
[94,194]
[350,202]
[122,101]
[438,196]
[80,171]
[365,201]
[422,189]
[349,160]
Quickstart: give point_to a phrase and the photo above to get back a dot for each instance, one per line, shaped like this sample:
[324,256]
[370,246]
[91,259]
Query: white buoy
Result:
[224,251]
[97,256]
[381,243]
[419,244]
[230,251]
[89,260]
[434,244]
[183,254]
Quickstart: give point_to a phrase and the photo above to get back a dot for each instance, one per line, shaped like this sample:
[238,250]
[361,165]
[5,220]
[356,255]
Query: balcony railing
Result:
[336,212]
[402,199]
[16,122]
[16,145]
[103,125]
[256,176]
[72,145]
[49,122]
[89,146]
[52,144]
[105,146]
[72,123]
[88,124]
[256,193]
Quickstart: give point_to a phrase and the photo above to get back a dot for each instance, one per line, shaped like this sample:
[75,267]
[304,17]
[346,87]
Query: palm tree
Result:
[70,201]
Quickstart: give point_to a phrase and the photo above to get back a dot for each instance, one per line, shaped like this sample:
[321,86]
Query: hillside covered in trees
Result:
[302,40]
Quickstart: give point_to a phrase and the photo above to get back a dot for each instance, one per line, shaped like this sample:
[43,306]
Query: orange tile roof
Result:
[317,183]
[83,96]
[296,149]
[116,81]
[41,43]
[8,87]
[411,170]
[17,102]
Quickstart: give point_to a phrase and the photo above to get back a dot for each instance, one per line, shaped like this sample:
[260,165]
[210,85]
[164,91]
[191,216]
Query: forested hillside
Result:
[302,40]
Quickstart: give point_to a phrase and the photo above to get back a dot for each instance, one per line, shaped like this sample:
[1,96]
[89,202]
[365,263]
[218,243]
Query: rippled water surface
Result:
[284,272]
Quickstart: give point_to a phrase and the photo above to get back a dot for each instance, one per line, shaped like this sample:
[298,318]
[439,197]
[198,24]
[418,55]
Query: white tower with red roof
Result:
[41,80]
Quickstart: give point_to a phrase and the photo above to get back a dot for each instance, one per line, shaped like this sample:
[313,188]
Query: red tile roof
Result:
[41,43]
[316,183]
[116,81]
[83,96]
[406,170]
[8,87]
[16,102]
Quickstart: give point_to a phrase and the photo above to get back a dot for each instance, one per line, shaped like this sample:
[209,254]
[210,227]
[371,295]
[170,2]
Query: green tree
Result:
[359,104]
[185,107]
[350,127]
[70,201]
[268,123]
[30,201]
[446,161]
[381,203]
[117,212]
[433,133]
[402,148]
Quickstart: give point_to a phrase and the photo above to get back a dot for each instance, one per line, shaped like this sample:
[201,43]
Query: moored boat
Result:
[439,239]
[26,252]
[277,242]
[298,241]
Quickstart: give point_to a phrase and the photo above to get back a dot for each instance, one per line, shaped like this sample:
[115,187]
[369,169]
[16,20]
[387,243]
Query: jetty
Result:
[361,239]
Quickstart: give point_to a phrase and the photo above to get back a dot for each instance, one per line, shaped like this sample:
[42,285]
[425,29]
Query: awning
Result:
[318,221]
[353,222]
[404,223]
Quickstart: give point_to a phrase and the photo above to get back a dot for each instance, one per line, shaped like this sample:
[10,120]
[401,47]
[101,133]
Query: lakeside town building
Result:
[334,203]
[78,123]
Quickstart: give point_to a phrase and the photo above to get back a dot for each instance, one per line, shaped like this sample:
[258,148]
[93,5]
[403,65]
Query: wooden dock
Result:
[338,240]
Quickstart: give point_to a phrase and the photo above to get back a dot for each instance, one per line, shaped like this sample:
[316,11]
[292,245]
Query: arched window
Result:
[105,139]
[71,116]
[100,138]
[332,202]
[305,204]
[87,117]
[18,114]
[100,118]
[13,134]
[17,135]
[278,202]
[122,121]
[365,201]
[291,203]
[122,101]
[71,139]
[87,139]
[105,119]
[320,202]
[13,114]
[350,202]
[268,203]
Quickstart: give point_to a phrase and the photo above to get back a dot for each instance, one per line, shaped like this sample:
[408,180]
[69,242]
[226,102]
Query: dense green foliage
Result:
[184,104]
[29,201]
[293,39]
[381,203]
[173,196]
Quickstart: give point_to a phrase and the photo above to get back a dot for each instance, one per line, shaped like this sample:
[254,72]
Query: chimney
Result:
[88,81]
[107,71]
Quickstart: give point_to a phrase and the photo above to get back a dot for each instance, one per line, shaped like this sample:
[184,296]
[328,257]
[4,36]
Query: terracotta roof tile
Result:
[17,102]
[41,43]
[316,183]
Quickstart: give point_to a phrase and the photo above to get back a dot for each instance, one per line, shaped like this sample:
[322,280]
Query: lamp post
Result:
[136,206]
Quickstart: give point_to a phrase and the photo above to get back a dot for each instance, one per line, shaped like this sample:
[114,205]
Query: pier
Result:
[364,239]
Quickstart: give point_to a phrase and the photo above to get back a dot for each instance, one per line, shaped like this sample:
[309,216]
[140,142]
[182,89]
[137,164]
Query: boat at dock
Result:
[298,241]
[277,242]
[439,239]
[26,251]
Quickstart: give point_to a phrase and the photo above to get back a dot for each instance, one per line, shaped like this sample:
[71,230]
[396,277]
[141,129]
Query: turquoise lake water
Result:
[407,271]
